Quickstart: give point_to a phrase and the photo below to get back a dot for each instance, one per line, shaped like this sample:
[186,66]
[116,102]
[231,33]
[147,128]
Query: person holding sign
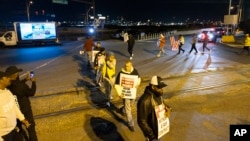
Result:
[126,84]
[152,113]
[99,62]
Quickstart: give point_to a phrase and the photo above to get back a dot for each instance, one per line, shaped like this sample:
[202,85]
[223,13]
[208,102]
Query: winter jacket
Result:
[247,41]
[146,117]
[23,92]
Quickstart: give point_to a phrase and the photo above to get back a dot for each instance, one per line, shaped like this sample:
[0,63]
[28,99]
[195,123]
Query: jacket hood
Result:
[124,71]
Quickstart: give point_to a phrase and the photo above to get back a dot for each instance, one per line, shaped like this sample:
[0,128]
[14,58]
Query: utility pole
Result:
[90,2]
[28,3]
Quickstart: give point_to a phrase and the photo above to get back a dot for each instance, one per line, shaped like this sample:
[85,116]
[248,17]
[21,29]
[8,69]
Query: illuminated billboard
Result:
[37,31]
[60,1]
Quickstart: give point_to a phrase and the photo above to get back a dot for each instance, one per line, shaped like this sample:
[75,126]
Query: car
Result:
[211,36]
[219,31]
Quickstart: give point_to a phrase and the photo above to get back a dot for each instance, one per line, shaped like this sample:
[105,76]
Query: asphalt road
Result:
[62,68]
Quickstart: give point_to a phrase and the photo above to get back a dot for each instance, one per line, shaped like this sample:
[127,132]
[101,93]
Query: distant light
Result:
[91,30]
[102,18]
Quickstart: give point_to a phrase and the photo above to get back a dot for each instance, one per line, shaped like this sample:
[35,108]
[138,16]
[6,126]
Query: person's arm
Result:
[117,81]
[30,91]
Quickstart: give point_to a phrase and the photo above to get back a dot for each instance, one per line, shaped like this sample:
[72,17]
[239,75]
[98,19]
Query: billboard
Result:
[37,31]
[60,1]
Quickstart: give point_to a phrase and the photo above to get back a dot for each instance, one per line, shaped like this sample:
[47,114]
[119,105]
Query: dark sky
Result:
[136,10]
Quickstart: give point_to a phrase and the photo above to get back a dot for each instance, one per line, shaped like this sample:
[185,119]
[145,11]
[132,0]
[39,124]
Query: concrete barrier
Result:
[228,39]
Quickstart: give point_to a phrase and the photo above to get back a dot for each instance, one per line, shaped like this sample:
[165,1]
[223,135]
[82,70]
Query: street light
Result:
[87,14]
[28,3]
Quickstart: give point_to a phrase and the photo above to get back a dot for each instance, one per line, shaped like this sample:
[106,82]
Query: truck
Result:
[30,33]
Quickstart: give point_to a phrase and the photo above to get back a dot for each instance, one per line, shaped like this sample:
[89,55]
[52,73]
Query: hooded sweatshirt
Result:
[9,112]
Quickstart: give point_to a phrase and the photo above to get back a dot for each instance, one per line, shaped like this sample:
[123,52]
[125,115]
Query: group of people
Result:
[126,83]
[15,106]
[161,43]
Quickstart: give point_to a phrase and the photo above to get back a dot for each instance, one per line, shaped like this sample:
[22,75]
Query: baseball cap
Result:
[3,74]
[12,69]
[157,81]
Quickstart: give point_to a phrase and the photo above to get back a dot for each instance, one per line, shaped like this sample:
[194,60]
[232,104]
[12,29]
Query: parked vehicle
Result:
[33,33]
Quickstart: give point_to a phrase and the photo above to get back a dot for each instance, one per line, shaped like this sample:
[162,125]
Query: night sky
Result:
[135,10]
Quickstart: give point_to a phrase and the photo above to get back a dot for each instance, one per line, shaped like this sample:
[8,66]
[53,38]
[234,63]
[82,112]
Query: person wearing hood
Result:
[129,70]
[108,74]
[148,114]
[23,92]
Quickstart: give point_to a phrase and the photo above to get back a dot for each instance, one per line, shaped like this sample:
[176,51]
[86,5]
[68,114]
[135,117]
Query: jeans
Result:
[108,85]
[128,103]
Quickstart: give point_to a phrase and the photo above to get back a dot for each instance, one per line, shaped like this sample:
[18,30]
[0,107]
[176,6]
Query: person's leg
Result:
[128,110]
[179,49]
[89,54]
[196,51]
[130,51]
[163,51]
[159,53]
[107,89]
[192,47]
[203,47]
[31,129]
[11,136]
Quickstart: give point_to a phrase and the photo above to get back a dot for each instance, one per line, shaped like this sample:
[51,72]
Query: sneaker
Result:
[108,104]
[132,55]
[130,58]
[131,128]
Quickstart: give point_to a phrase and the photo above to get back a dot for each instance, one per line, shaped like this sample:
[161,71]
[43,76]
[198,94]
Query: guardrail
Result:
[150,36]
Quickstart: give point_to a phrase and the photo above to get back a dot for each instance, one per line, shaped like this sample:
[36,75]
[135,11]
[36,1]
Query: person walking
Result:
[23,92]
[87,47]
[205,42]
[193,44]
[246,44]
[131,43]
[9,111]
[151,109]
[109,71]
[97,47]
[161,44]
[181,42]
[128,79]
[99,62]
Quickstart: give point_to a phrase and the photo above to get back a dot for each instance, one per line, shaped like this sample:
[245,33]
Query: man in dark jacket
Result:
[22,91]
[131,43]
[146,115]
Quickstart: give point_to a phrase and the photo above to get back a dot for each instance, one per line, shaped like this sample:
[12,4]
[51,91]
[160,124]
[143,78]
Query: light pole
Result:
[87,14]
[28,3]
[230,7]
